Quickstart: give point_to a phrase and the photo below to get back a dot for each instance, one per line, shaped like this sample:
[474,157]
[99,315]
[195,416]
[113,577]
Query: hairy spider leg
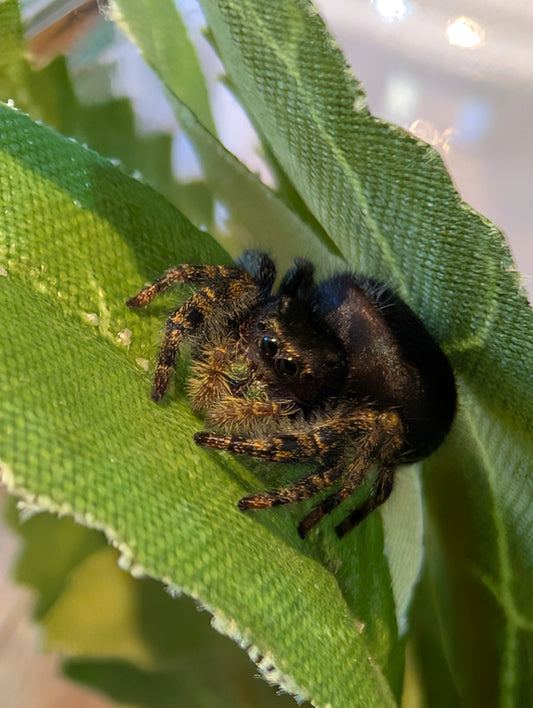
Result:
[376,447]
[236,412]
[381,491]
[197,312]
[199,274]
[317,442]
[200,310]
[381,437]
[302,488]
[289,447]
[229,286]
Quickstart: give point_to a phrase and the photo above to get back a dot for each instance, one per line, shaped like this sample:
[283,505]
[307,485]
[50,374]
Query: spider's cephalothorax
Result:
[342,373]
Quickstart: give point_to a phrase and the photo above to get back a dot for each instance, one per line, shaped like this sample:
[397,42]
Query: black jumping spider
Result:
[342,373]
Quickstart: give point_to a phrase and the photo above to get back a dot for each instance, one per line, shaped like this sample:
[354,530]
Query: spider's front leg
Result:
[186,320]
[197,274]
[227,291]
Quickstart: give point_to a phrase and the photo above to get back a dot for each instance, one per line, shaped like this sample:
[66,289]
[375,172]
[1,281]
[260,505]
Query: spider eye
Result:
[287,367]
[269,347]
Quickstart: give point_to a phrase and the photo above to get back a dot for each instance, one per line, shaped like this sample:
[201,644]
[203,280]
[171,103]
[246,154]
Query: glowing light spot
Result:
[391,9]
[400,96]
[464,32]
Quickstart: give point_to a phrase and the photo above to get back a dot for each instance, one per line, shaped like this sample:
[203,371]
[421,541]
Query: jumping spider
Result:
[342,373]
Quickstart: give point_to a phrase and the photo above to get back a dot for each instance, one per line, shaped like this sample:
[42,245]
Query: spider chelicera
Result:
[342,373]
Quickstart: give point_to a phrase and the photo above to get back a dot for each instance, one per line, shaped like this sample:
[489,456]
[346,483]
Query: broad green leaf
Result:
[81,437]
[274,225]
[380,634]
[278,228]
[389,205]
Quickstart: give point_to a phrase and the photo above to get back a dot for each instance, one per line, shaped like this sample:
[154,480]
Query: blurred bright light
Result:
[391,9]
[464,32]
[400,97]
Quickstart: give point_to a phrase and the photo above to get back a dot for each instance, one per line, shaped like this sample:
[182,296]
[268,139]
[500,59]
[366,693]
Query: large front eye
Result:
[288,368]
[269,347]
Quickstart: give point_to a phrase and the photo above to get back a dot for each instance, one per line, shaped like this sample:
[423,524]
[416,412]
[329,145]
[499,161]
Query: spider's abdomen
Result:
[393,361]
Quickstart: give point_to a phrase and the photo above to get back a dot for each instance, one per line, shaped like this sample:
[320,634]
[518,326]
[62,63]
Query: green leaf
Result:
[271,222]
[81,437]
[388,203]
